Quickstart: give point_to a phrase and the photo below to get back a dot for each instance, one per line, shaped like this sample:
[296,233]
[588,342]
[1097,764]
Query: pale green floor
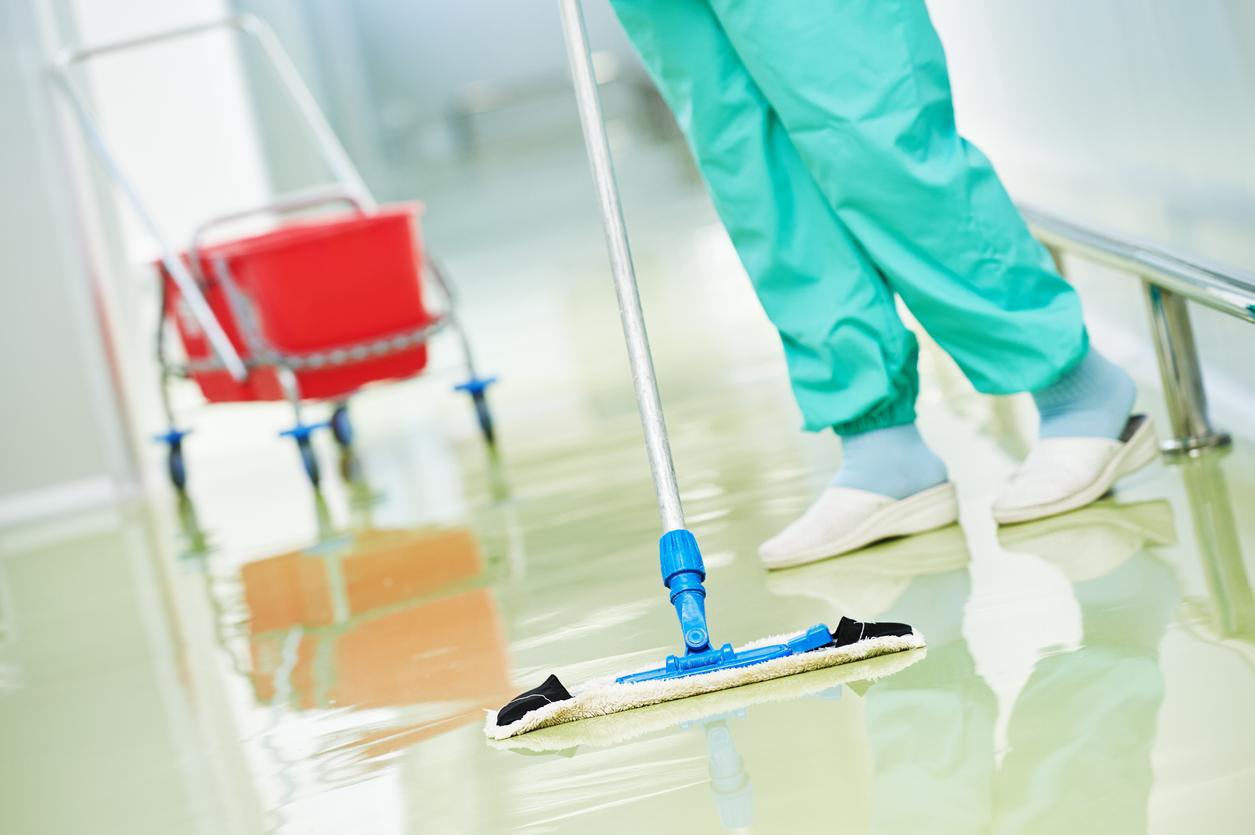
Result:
[1090,673]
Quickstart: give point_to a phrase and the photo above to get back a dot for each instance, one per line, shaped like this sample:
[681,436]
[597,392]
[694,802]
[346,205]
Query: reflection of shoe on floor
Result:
[868,582]
[843,519]
[1063,474]
[1096,540]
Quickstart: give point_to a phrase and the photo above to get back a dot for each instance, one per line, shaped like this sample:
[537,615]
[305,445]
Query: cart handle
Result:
[333,153]
[308,199]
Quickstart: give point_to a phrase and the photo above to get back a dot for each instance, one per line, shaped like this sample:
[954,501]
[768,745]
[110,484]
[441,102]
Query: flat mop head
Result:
[630,726]
[770,658]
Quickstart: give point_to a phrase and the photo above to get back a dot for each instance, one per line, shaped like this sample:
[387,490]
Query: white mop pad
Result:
[620,728]
[604,696]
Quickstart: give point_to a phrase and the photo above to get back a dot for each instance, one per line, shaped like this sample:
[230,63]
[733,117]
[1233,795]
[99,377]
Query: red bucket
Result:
[314,286]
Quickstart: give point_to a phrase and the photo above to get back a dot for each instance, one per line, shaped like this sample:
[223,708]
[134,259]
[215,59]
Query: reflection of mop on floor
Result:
[729,782]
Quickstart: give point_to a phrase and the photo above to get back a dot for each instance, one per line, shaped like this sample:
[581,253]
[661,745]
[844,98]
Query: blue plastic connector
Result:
[172,437]
[303,430]
[476,385]
[683,574]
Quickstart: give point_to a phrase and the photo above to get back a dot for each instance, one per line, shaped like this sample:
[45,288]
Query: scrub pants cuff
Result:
[897,412]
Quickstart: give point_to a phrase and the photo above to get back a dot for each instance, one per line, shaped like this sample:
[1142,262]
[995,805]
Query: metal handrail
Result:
[1226,289]
[1170,280]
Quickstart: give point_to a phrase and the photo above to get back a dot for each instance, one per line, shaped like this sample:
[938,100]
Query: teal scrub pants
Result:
[825,133]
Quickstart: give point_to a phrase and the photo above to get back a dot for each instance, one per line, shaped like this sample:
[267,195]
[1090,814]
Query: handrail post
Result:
[1180,372]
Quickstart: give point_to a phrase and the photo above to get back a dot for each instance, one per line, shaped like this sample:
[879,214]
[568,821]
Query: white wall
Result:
[62,443]
[79,290]
[388,75]
[177,114]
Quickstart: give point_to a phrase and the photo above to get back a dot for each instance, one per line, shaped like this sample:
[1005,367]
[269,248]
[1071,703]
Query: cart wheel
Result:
[475,387]
[484,415]
[176,466]
[308,459]
[341,427]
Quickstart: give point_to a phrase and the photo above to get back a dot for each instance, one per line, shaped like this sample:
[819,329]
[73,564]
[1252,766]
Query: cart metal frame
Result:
[348,188]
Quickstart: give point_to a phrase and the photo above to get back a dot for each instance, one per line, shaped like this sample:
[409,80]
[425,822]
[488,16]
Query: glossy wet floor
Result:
[266,661]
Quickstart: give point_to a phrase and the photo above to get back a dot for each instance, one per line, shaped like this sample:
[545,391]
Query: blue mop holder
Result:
[683,573]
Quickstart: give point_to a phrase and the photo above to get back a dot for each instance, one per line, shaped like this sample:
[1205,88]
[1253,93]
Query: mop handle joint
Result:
[683,573]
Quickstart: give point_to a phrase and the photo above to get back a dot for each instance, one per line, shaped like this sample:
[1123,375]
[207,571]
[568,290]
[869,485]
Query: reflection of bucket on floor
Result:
[379,628]
[373,569]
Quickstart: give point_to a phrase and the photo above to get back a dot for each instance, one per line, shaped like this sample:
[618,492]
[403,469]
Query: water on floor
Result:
[259,659]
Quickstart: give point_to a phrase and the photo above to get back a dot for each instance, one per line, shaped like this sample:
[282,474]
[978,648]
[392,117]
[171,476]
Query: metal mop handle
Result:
[652,421]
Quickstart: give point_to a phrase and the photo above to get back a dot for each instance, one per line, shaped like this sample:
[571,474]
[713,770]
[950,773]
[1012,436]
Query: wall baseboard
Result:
[68,497]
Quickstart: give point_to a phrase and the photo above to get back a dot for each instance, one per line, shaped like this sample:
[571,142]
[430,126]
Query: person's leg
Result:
[1092,400]
[851,361]
[863,90]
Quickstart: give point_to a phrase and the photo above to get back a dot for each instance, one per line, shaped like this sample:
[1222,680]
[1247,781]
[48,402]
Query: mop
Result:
[704,667]
[623,728]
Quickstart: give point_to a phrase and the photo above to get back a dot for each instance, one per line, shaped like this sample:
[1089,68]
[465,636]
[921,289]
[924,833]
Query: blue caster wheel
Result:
[341,427]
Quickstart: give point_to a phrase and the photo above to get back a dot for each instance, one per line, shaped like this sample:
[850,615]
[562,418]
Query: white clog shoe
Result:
[843,519]
[1062,474]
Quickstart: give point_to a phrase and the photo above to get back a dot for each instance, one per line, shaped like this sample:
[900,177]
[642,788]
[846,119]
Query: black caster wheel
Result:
[484,416]
[176,466]
[309,460]
[341,427]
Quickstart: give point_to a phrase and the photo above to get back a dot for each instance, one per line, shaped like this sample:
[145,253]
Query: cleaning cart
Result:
[311,311]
